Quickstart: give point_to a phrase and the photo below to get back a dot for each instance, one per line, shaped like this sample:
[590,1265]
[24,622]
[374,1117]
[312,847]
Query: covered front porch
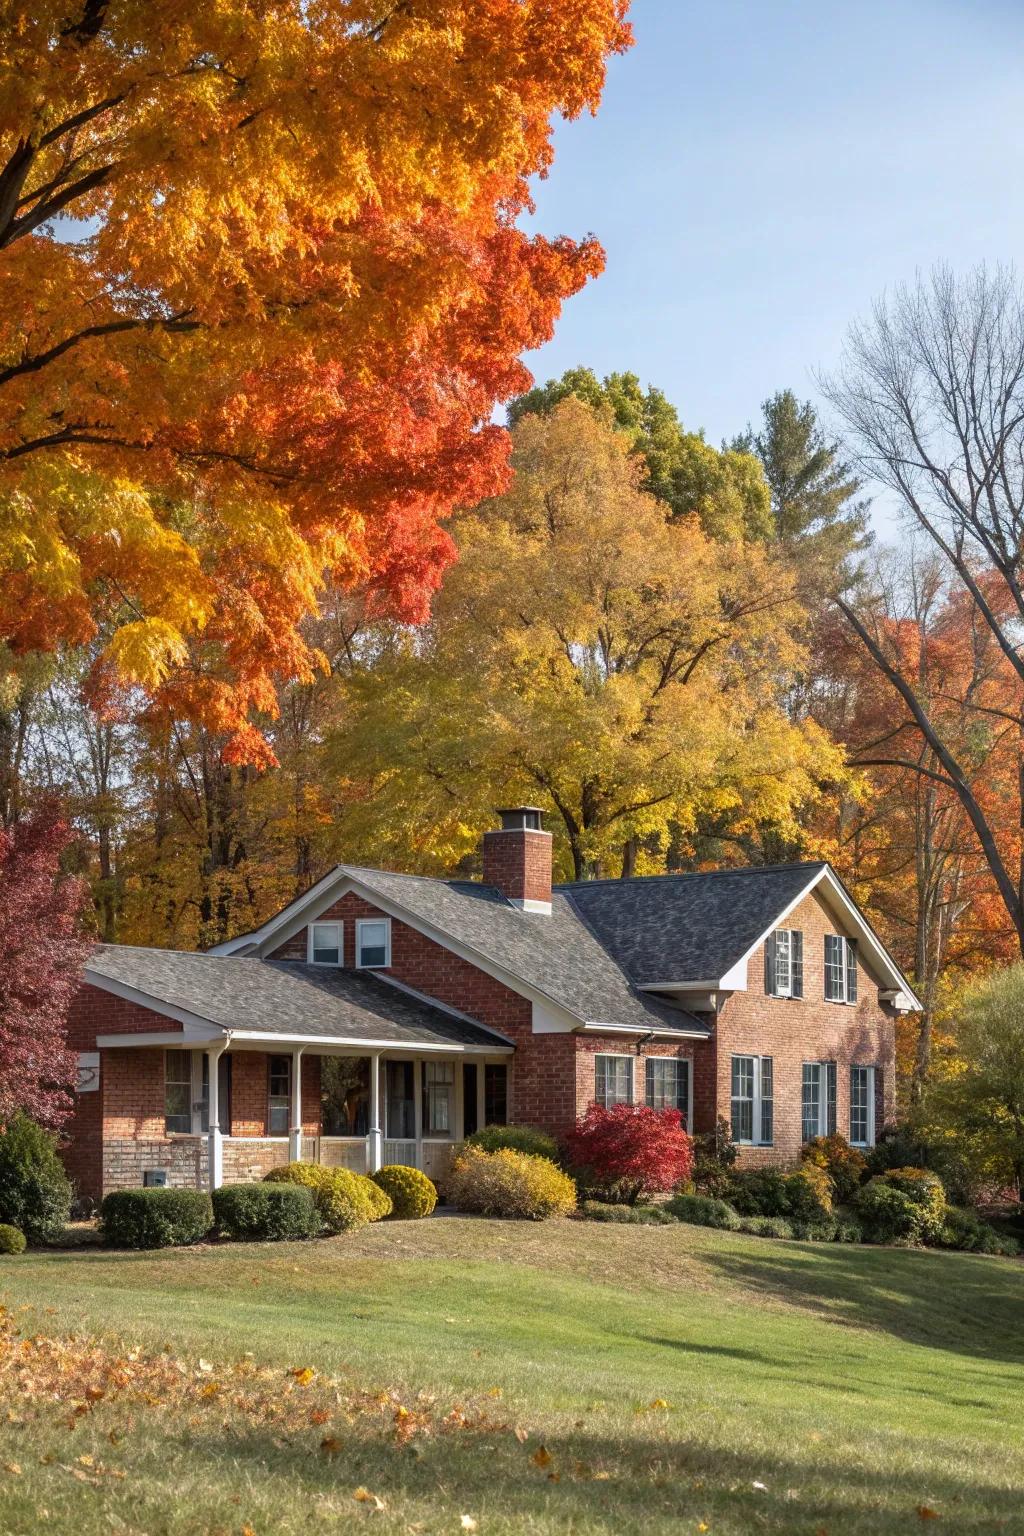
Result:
[341,1106]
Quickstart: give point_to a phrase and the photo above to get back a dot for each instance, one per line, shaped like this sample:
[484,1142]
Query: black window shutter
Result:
[769,965]
[830,1097]
[851,970]
[796,950]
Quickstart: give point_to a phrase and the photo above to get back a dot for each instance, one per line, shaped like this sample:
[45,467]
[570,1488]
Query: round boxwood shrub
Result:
[343,1199]
[35,1192]
[11,1240]
[903,1205]
[507,1183]
[381,1203]
[845,1165]
[155,1218]
[516,1138]
[927,1192]
[265,1212]
[703,1211]
[412,1194]
[760,1192]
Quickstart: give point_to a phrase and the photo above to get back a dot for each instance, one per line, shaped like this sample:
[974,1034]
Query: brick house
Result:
[382,1017]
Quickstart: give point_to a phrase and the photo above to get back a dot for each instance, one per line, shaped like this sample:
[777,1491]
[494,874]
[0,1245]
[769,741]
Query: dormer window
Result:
[840,969]
[325,943]
[373,942]
[784,963]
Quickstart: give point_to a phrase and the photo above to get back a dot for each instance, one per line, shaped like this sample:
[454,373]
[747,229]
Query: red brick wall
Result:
[517,860]
[795,1030]
[250,1091]
[589,1046]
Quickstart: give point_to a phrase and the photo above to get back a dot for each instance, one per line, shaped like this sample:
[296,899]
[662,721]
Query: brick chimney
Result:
[517,859]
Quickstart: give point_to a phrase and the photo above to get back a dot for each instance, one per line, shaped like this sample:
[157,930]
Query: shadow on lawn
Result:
[590,1483]
[965,1303]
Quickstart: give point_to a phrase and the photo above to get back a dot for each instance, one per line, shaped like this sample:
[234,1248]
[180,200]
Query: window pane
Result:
[613,1080]
[811,1100]
[743,1098]
[495,1095]
[835,974]
[767,1106]
[668,1084]
[373,943]
[400,1105]
[178,1091]
[860,1101]
[327,943]
[851,970]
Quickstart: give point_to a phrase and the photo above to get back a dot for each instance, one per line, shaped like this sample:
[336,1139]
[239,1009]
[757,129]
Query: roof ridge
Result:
[692,874]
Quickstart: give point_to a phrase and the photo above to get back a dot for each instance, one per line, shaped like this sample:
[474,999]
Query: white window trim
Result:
[845,946]
[822,1067]
[785,990]
[328,923]
[361,923]
[869,1068]
[689,1081]
[619,1056]
[755,1141]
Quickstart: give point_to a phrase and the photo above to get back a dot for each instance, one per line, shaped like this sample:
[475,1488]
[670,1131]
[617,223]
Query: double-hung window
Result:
[862,1106]
[438,1098]
[178,1096]
[668,1084]
[784,963]
[326,943]
[752,1101]
[373,942]
[840,969]
[613,1080]
[818,1100]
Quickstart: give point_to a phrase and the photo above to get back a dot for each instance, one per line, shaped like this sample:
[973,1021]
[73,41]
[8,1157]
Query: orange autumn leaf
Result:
[541,1457]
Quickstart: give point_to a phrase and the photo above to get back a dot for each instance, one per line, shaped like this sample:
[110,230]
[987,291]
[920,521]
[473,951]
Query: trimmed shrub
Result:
[155,1218]
[629,1150]
[888,1214]
[412,1194]
[11,1240]
[926,1190]
[714,1157]
[766,1226]
[845,1165]
[35,1192]
[760,1192]
[822,1230]
[515,1138]
[809,1191]
[848,1229]
[965,1230]
[265,1212]
[342,1198]
[507,1183]
[703,1211]
[381,1203]
[629,1215]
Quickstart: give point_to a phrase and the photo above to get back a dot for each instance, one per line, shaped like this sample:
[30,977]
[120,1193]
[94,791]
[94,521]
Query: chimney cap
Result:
[521,817]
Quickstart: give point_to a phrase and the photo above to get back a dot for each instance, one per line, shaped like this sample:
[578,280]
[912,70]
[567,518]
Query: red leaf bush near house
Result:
[630,1150]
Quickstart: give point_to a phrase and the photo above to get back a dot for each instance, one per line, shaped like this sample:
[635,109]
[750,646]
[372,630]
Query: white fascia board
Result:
[167,1037]
[194,1025]
[640,1029]
[392,1047]
[291,918]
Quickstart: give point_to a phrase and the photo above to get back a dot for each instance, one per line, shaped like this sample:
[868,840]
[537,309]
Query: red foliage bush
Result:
[630,1150]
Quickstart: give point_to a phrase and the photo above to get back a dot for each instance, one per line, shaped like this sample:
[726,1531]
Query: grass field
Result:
[457,1375]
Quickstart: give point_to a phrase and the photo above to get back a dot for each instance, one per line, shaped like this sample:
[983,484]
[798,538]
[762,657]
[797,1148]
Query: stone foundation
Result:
[185,1159]
[248,1159]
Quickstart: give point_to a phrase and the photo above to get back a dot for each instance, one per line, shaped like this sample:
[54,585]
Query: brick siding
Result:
[517,861]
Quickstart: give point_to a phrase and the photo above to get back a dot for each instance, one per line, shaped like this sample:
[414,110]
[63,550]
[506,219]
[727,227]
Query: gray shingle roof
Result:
[671,928]
[557,955]
[286,998]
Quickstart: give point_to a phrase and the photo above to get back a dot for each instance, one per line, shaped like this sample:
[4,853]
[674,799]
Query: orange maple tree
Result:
[262,285]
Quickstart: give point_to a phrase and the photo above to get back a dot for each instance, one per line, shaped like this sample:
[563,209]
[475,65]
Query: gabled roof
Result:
[555,956]
[284,999]
[692,927]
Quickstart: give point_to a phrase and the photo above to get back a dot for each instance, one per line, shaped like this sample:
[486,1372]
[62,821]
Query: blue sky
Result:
[761,169]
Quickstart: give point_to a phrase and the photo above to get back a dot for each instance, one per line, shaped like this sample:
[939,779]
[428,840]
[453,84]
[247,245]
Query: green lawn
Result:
[513,1378]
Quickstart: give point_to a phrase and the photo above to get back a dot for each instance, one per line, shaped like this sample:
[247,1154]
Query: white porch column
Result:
[295,1113]
[215,1141]
[375,1137]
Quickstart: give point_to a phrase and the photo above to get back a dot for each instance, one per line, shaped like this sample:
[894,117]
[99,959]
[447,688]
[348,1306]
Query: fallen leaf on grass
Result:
[303,1374]
[13,1468]
[925,1512]
[330,1446]
[364,1496]
[541,1457]
[468,1523]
